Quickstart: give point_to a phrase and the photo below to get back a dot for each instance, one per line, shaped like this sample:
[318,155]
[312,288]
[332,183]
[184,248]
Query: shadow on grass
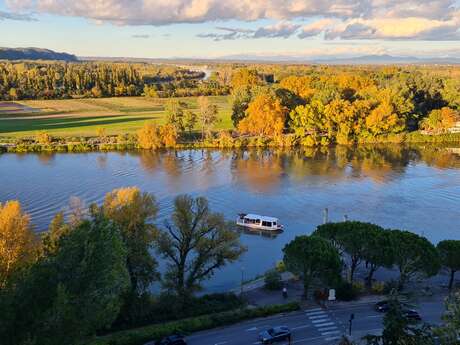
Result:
[63,123]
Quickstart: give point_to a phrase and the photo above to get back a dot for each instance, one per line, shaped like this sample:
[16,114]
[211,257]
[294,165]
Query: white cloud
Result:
[346,19]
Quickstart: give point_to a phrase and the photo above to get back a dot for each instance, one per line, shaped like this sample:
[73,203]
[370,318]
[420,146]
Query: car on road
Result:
[275,334]
[175,339]
[384,305]
[411,314]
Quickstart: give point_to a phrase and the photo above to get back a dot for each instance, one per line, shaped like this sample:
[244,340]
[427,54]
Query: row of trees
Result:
[180,120]
[323,255]
[97,266]
[52,80]
[344,107]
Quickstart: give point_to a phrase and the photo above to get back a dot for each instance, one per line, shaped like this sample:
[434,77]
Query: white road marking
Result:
[332,338]
[327,328]
[221,343]
[330,333]
[300,327]
[322,312]
[251,329]
[314,309]
[324,324]
[319,321]
[318,317]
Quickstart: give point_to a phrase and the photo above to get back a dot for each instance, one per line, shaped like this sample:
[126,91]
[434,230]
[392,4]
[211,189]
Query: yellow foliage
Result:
[301,86]
[168,135]
[265,116]
[44,138]
[244,78]
[149,137]
[17,241]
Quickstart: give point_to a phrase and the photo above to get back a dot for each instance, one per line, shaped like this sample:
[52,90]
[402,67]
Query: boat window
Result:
[269,224]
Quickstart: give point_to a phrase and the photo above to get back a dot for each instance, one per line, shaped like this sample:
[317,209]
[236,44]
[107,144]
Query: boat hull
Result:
[259,227]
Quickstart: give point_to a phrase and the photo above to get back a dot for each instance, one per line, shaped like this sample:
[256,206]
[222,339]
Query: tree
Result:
[195,244]
[451,318]
[413,255]
[244,77]
[168,134]
[264,116]
[149,137]
[72,293]
[383,119]
[190,120]
[240,100]
[175,114]
[440,120]
[378,252]
[355,238]
[399,330]
[208,115]
[449,253]
[56,231]
[18,244]
[312,257]
[133,212]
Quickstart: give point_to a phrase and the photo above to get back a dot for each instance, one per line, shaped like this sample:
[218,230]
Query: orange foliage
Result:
[265,116]
[300,86]
[17,241]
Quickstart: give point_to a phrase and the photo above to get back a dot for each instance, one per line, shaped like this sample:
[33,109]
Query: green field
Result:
[83,117]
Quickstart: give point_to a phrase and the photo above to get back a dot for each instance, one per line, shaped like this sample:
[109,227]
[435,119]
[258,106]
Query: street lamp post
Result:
[352,316]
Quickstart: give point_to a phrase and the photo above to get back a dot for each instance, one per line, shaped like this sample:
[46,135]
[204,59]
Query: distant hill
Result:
[34,54]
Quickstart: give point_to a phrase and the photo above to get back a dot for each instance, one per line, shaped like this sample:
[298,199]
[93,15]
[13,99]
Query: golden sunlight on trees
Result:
[208,115]
[440,120]
[265,116]
[245,78]
[148,137]
[17,241]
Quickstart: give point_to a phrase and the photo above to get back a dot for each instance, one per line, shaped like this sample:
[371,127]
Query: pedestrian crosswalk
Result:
[324,324]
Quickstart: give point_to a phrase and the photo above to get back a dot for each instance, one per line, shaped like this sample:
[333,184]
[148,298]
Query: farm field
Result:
[83,117]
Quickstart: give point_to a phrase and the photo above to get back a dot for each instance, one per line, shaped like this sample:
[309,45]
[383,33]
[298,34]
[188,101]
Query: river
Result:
[415,188]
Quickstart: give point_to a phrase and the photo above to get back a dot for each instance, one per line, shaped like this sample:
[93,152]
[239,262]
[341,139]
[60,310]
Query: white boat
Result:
[258,222]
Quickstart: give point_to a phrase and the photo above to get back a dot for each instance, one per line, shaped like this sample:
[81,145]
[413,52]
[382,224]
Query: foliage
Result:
[312,258]
[413,255]
[57,230]
[149,137]
[449,253]
[272,280]
[399,330]
[346,291]
[440,120]
[44,138]
[175,114]
[378,288]
[72,293]
[207,115]
[133,212]
[17,240]
[195,244]
[190,120]
[265,116]
[451,318]
[142,335]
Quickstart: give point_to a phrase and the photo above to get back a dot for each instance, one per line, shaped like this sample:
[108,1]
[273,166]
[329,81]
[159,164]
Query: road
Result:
[312,326]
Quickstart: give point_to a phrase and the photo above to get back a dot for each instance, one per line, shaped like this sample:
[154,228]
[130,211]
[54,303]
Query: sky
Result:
[285,29]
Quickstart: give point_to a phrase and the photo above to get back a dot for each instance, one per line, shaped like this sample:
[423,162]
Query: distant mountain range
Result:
[46,54]
[34,54]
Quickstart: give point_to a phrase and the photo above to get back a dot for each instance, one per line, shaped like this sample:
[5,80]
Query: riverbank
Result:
[220,140]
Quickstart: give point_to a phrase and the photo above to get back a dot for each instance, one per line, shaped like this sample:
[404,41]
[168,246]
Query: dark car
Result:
[175,339]
[384,305]
[275,334]
[411,314]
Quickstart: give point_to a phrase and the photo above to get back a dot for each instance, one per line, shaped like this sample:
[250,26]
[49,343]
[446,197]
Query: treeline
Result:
[345,106]
[60,80]
[93,271]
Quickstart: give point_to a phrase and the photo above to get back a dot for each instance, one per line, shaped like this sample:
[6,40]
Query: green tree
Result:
[190,120]
[312,258]
[399,330]
[175,114]
[240,100]
[134,212]
[449,253]
[413,255]
[450,330]
[58,229]
[195,244]
[378,252]
[72,293]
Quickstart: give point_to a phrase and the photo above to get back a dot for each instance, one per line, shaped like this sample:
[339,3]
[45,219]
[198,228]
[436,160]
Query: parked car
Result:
[274,334]
[175,339]
[411,314]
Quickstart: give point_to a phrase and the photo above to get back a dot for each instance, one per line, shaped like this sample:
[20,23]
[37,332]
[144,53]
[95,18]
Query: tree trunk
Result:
[370,276]
[451,280]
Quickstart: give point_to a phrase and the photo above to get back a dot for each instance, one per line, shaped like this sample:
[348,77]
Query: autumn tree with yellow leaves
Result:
[17,241]
[265,116]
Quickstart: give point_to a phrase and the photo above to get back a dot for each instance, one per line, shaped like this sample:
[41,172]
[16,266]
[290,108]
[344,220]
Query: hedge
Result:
[140,336]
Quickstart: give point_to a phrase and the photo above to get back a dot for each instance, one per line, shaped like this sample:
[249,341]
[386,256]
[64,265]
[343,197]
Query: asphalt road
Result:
[313,326]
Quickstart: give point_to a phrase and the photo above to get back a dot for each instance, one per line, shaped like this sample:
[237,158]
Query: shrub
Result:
[273,280]
[280,266]
[390,285]
[358,286]
[43,138]
[140,336]
[378,288]
[346,292]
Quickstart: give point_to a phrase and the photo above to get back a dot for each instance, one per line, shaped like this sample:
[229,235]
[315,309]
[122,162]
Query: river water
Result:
[412,188]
